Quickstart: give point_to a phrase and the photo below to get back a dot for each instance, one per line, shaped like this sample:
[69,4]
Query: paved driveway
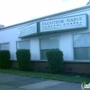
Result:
[17,82]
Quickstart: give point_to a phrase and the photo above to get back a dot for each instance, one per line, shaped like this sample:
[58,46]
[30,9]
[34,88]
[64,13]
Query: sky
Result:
[18,11]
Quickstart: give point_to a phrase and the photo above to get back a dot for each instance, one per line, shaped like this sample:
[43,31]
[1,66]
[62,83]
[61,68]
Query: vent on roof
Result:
[1,26]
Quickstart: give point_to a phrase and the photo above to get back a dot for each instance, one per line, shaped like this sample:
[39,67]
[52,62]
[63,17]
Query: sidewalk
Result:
[17,82]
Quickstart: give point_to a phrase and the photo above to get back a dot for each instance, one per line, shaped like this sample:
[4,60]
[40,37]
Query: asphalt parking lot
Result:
[17,82]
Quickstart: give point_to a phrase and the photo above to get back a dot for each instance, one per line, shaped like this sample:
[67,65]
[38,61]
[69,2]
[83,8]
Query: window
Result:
[4,46]
[23,45]
[82,46]
[48,43]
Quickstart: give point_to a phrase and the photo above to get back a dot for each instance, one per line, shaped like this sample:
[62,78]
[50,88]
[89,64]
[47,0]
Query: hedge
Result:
[4,59]
[55,60]
[23,59]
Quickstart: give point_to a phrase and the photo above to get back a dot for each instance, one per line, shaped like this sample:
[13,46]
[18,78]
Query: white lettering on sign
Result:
[73,22]
[28,30]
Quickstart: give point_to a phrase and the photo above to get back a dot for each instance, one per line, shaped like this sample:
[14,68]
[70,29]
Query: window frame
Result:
[73,46]
[22,41]
[5,43]
[40,44]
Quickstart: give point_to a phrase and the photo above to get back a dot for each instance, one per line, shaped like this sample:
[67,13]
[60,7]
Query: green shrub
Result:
[4,59]
[55,60]
[23,59]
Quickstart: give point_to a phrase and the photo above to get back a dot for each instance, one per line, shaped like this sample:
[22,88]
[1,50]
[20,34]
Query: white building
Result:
[68,31]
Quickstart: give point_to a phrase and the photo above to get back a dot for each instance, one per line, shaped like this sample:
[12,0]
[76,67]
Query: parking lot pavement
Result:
[17,82]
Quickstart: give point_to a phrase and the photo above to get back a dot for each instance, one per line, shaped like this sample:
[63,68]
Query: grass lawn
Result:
[47,75]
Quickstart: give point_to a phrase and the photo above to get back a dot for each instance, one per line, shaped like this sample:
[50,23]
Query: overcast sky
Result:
[17,11]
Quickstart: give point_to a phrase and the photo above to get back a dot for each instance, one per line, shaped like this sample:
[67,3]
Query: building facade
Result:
[68,31]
